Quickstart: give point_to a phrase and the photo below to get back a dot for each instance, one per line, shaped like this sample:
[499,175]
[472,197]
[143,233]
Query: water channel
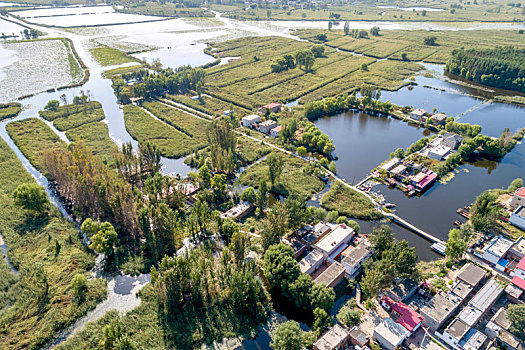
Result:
[362,141]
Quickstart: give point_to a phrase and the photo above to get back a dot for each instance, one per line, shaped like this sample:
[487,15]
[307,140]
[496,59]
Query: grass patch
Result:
[349,202]
[164,10]
[71,116]
[143,127]
[32,243]
[121,70]
[32,136]
[293,180]
[210,105]
[96,137]
[109,56]
[10,110]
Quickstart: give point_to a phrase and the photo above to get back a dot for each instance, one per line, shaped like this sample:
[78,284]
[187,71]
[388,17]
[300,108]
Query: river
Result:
[362,141]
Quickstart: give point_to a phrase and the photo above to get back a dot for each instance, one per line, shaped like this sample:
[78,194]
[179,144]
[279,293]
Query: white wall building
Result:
[249,120]
[334,242]
[310,263]
[497,249]
[390,334]
[354,260]
[517,218]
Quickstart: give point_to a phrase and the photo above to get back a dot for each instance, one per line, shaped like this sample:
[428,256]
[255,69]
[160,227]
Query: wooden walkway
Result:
[402,222]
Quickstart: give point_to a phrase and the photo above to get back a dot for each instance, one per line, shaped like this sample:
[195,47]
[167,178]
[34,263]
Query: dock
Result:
[406,224]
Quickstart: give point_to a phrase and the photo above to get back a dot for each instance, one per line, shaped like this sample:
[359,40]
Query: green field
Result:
[109,56]
[32,243]
[209,105]
[349,202]
[293,180]
[9,110]
[86,125]
[408,44]
[33,137]
[249,82]
[171,142]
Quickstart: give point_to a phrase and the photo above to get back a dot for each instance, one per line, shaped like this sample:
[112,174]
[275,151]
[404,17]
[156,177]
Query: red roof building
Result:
[520,192]
[518,282]
[408,318]
[518,198]
[521,264]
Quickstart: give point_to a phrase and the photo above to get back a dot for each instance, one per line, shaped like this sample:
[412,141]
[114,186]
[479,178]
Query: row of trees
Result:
[500,67]
[328,105]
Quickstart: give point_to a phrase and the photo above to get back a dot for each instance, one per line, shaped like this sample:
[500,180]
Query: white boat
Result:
[439,248]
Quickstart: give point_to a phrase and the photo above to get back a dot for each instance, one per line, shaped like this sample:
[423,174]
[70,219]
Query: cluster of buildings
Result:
[421,116]
[442,146]
[409,175]
[328,253]
[268,127]
[507,257]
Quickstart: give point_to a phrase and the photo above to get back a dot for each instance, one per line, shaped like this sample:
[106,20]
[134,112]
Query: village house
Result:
[496,250]
[451,140]
[518,278]
[406,317]
[418,114]
[335,241]
[271,107]
[358,337]
[239,211]
[228,112]
[403,290]
[518,198]
[267,125]
[517,218]
[389,165]
[354,259]
[438,152]
[498,328]
[276,131]
[471,274]
[438,310]
[438,118]
[332,276]
[335,338]
[310,263]
[249,120]
[390,334]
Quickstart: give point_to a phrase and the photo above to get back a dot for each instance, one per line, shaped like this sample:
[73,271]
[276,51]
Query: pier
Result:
[406,224]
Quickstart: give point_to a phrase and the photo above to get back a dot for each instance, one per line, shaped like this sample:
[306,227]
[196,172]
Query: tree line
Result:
[501,67]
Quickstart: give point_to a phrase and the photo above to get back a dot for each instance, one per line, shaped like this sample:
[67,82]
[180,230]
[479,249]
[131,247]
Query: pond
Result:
[363,142]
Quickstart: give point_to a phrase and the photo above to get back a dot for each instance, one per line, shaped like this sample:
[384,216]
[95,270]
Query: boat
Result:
[390,205]
[411,193]
[439,248]
[457,223]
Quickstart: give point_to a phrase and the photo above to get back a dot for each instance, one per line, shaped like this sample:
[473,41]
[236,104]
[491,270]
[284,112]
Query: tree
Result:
[301,150]
[52,105]
[363,34]
[275,167]
[104,240]
[382,239]
[249,195]
[332,167]
[262,196]
[321,320]
[287,336]
[219,186]
[347,28]
[484,212]
[299,291]
[322,297]
[275,225]
[374,31]
[318,50]
[515,184]
[372,282]
[329,25]
[349,317]
[31,197]
[456,246]
[205,176]
[280,268]
[78,287]
[296,211]
[516,316]
[430,40]
[89,227]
